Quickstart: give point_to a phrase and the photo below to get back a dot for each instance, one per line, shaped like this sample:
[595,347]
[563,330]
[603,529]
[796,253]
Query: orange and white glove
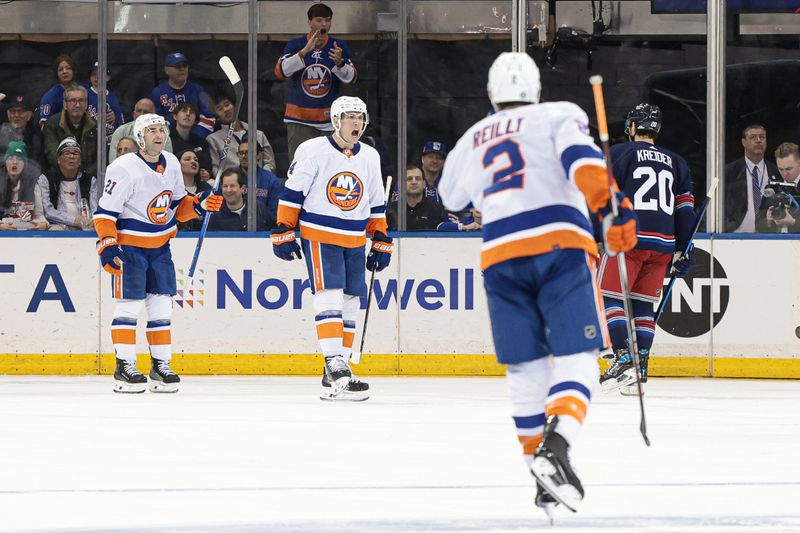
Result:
[111,255]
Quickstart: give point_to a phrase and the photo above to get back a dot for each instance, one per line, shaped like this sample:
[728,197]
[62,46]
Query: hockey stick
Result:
[602,126]
[355,357]
[238,88]
[700,214]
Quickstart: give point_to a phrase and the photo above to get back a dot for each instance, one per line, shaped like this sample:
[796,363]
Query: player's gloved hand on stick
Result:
[111,255]
[284,244]
[619,232]
[381,252]
[683,263]
[207,201]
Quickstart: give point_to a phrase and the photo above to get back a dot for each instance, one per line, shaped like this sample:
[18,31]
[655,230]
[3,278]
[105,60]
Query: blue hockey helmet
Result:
[646,117]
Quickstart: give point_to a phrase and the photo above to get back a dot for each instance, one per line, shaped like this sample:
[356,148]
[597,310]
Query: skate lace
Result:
[130,368]
[163,368]
[336,364]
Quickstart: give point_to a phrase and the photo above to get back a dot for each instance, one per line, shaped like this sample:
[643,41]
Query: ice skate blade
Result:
[123,387]
[550,510]
[344,396]
[566,494]
[626,378]
[161,387]
[631,390]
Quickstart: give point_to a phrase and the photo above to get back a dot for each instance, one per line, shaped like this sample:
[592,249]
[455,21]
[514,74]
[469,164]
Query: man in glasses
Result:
[74,122]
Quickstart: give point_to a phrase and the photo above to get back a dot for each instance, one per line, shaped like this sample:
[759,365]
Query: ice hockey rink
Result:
[438,455]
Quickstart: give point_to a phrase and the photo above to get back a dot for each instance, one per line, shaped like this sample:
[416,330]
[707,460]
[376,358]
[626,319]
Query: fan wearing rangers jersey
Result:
[143,199]
[660,184]
[177,89]
[315,64]
[534,173]
[335,192]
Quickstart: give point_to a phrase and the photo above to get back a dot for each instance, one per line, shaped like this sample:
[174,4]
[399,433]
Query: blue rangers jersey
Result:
[167,99]
[659,185]
[314,81]
[112,104]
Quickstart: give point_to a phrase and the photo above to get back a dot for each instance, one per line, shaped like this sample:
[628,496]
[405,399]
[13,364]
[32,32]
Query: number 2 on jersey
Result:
[509,177]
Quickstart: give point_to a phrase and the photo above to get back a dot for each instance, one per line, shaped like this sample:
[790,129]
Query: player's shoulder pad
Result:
[171,159]
[368,150]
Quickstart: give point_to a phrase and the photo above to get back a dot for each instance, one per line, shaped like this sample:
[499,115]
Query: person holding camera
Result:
[315,63]
[781,215]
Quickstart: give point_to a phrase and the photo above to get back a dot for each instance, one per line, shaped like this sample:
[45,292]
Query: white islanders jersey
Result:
[530,171]
[335,194]
[142,201]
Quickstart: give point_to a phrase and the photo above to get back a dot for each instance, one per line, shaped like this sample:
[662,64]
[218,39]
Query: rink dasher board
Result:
[249,313]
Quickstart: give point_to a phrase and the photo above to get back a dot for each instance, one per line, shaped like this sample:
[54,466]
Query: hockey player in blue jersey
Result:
[660,185]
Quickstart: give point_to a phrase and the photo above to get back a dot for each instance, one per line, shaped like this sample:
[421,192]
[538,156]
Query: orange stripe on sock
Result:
[567,405]
[163,336]
[529,443]
[123,336]
[348,338]
[316,265]
[330,330]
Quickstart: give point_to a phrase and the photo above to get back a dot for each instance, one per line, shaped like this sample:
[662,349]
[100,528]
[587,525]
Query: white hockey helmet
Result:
[145,121]
[348,104]
[513,77]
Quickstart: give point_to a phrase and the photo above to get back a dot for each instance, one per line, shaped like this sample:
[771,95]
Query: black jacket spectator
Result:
[227,220]
[425,216]
[21,127]
[736,183]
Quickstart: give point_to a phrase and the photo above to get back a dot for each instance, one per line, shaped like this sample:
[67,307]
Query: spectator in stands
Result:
[433,155]
[65,186]
[233,214]
[143,106]
[20,127]
[422,213]
[126,145]
[787,159]
[316,64]
[73,122]
[178,89]
[268,186]
[183,136]
[52,101]
[745,181]
[190,168]
[18,186]
[113,114]
[224,110]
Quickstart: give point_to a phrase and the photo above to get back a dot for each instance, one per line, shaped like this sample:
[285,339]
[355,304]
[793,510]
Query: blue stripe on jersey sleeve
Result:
[136,225]
[576,152]
[536,218]
[570,385]
[378,209]
[175,203]
[333,222]
[290,195]
[101,211]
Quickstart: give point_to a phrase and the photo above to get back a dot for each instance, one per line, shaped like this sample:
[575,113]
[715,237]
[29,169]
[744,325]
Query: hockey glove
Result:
[284,244]
[111,255]
[619,232]
[381,252]
[682,263]
[207,201]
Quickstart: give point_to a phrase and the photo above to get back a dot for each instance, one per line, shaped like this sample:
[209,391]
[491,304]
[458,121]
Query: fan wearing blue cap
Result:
[177,89]
[113,114]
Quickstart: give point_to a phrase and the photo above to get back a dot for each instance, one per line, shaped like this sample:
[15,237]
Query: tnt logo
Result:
[345,191]
[695,298]
[190,292]
[316,81]
[158,208]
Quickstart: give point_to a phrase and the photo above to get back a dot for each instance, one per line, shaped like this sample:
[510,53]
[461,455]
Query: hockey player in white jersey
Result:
[136,217]
[532,170]
[335,191]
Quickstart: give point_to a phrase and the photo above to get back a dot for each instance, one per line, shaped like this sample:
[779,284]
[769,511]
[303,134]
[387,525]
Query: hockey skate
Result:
[621,372]
[354,390]
[545,502]
[337,374]
[632,389]
[128,379]
[552,469]
[162,378]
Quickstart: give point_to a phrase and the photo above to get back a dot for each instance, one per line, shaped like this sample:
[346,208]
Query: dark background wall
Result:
[447,83]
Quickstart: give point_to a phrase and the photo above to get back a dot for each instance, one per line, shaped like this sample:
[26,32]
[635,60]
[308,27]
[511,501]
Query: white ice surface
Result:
[254,454]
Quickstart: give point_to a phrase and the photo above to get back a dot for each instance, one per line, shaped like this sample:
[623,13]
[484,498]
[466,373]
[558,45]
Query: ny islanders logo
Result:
[316,81]
[158,208]
[345,190]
